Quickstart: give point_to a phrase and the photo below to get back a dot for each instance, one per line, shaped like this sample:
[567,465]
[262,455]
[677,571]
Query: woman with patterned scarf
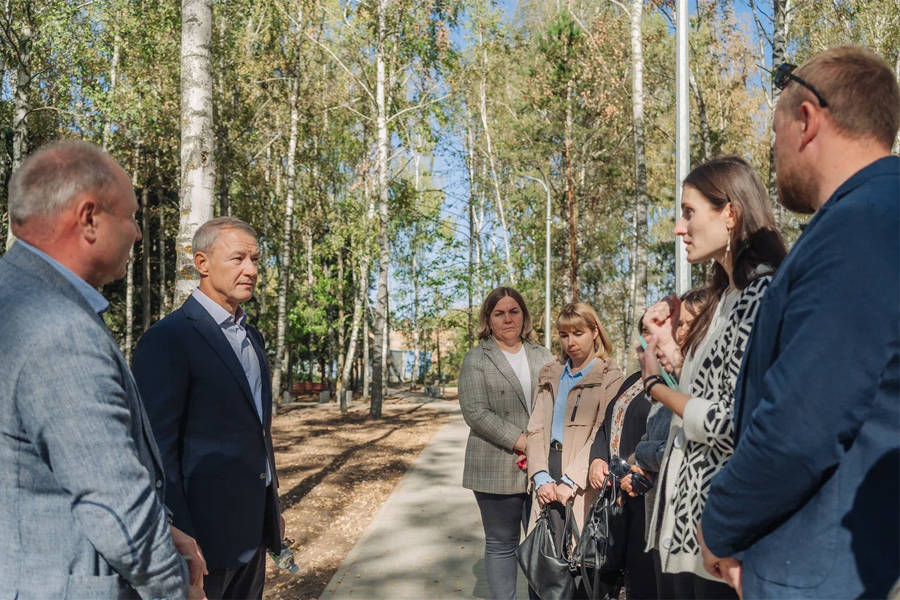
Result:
[727,218]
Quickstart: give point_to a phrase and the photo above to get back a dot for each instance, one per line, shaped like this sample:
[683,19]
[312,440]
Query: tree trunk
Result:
[129,308]
[358,301]
[494,180]
[470,283]
[20,109]
[705,132]
[781,26]
[261,280]
[284,275]
[639,297]
[145,258]
[367,371]
[570,195]
[163,288]
[113,76]
[198,165]
[341,336]
[379,370]
[161,240]
[896,149]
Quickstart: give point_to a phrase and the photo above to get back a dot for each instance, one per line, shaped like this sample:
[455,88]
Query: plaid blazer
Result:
[497,410]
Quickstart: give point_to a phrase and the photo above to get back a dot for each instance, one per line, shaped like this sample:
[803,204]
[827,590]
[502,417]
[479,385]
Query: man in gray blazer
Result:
[81,486]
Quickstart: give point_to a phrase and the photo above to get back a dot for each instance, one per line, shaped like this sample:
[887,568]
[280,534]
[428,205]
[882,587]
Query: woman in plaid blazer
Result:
[496,384]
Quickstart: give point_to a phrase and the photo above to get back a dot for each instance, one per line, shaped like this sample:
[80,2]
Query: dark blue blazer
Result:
[213,445]
[811,498]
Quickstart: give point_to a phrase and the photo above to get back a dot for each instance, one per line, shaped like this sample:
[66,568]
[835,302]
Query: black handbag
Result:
[601,547]
[549,570]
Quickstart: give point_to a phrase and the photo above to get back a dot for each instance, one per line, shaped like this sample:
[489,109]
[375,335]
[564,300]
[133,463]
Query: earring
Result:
[728,245]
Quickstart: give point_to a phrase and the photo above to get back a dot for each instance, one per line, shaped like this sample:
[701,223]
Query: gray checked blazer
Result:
[81,486]
[497,410]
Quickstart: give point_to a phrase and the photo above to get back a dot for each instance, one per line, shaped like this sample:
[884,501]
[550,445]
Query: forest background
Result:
[393,154]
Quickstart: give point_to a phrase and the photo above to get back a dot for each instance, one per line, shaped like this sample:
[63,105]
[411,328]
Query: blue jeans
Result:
[502,515]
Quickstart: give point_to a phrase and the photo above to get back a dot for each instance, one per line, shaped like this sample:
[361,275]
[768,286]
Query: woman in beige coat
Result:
[570,403]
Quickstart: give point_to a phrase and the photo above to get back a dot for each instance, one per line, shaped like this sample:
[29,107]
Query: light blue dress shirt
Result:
[93,297]
[235,329]
[567,381]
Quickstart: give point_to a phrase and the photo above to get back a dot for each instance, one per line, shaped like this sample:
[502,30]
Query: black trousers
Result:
[688,586]
[503,517]
[245,582]
[640,576]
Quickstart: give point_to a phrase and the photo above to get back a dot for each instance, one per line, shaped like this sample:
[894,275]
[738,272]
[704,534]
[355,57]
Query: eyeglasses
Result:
[785,73]
[620,469]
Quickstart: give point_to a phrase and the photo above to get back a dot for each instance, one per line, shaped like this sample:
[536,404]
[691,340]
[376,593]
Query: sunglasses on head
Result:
[785,73]
[620,469]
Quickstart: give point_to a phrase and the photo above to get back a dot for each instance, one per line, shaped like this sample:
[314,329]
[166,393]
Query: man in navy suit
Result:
[202,375]
[807,506]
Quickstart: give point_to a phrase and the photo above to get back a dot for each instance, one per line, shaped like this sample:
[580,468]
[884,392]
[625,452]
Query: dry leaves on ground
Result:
[335,473]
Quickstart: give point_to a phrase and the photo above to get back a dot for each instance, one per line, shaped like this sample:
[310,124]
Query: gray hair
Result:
[50,179]
[208,233]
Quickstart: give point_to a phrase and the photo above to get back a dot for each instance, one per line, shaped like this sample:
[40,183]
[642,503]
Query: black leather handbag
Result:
[549,570]
[601,548]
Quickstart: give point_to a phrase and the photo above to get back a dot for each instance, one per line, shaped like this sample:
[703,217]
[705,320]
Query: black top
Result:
[632,430]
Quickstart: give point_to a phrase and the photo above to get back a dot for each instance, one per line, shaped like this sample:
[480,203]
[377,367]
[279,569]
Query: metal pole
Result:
[546,262]
[547,274]
[682,136]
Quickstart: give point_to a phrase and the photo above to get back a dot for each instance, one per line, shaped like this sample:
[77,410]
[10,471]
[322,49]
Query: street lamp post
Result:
[546,264]
[682,135]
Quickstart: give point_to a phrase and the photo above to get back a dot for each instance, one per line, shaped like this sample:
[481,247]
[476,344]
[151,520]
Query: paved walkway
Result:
[427,540]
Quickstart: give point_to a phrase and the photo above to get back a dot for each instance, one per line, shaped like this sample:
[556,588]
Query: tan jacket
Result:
[592,395]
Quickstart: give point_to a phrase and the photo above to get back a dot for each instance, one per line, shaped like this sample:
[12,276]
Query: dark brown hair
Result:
[755,239]
[487,307]
[861,90]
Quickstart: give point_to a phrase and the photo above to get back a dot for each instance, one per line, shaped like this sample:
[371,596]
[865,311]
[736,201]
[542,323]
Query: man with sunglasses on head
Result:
[807,505]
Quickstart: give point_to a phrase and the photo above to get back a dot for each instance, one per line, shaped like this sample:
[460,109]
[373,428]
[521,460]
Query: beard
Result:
[797,190]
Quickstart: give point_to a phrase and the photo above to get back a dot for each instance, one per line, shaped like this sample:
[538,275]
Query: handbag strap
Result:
[571,533]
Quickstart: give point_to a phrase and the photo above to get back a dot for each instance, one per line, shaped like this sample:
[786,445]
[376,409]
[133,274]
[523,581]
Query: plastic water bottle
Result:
[285,560]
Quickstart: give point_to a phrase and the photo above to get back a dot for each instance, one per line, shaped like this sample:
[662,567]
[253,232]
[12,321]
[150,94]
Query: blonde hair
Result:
[487,307]
[582,316]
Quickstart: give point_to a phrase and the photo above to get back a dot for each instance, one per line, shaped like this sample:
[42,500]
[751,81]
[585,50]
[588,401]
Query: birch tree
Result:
[198,164]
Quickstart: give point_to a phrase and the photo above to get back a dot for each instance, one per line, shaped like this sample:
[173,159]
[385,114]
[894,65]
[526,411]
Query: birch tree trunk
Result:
[496,184]
[128,343]
[639,295]
[782,20]
[129,307]
[379,370]
[470,166]
[896,149]
[145,258]
[198,165]
[20,109]
[367,371]
[705,132]
[163,288]
[341,336]
[570,195]
[358,301]
[287,230]
[113,76]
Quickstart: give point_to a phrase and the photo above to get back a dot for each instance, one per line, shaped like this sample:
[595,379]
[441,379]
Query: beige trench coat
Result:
[592,395]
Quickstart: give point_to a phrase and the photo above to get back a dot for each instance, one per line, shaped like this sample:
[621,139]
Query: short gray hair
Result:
[50,179]
[208,233]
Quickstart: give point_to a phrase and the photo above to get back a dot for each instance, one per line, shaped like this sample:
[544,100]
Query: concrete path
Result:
[427,540]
